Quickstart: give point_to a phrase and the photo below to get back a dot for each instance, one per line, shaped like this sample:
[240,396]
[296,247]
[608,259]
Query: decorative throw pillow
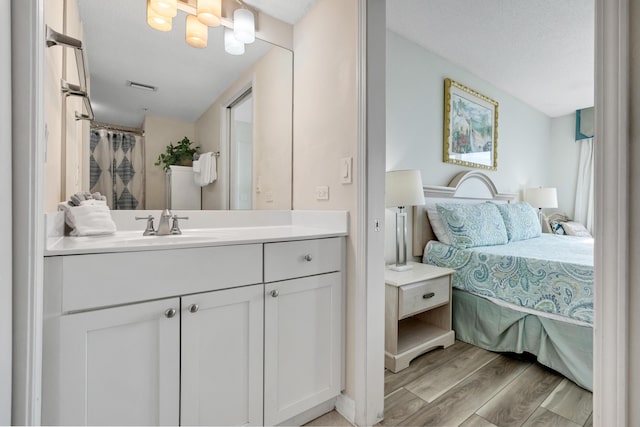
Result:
[573,228]
[436,224]
[556,227]
[521,220]
[470,225]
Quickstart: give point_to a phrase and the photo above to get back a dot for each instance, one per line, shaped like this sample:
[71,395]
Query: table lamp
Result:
[541,198]
[403,188]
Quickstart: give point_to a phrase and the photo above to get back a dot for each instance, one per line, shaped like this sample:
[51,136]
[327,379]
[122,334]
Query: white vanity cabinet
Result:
[222,356]
[232,335]
[119,366]
[303,326]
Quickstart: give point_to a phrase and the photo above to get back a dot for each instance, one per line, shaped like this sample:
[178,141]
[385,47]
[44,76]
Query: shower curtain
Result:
[116,166]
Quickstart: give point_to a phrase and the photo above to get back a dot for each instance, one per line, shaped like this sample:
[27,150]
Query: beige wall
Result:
[66,137]
[270,79]
[325,118]
[634,216]
[53,15]
[158,133]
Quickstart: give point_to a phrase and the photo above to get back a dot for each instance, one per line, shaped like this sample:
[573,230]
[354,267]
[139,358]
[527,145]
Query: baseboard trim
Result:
[346,407]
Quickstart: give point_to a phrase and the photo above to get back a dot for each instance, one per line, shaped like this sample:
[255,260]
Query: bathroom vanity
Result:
[232,325]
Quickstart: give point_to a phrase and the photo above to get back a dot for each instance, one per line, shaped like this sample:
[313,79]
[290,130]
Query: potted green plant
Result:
[180,154]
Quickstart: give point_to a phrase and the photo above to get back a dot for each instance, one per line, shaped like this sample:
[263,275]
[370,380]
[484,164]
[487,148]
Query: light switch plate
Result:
[346,164]
[322,192]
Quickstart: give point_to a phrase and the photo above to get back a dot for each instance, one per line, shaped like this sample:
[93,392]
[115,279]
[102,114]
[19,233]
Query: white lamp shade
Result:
[157,21]
[167,8]
[209,12]
[404,188]
[541,197]
[231,44]
[244,25]
[197,32]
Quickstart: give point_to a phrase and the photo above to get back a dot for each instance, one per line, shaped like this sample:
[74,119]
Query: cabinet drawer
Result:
[422,296]
[125,277]
[287,260]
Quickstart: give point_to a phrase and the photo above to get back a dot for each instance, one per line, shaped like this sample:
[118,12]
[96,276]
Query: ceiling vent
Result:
[142,86]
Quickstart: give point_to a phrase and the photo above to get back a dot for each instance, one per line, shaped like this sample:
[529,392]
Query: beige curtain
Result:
[583,211]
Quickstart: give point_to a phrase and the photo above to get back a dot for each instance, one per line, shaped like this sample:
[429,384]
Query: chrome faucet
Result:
[163,227]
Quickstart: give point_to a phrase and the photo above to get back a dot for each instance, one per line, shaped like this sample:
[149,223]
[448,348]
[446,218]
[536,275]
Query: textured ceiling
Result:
[539,51]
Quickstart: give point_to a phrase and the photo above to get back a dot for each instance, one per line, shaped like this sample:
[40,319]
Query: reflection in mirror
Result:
[153,83]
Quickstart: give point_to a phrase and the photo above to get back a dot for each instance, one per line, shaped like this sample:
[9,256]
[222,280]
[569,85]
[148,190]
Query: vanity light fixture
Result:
[232,45]
[205,13]
[166,8]
[209,12]
[157,21]
[197,32]
[244,28]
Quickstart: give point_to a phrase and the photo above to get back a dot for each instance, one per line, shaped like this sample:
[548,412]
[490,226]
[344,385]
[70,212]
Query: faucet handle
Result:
[175,227]
[149,231]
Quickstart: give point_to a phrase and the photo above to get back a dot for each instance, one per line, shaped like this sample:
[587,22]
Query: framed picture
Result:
[470,127]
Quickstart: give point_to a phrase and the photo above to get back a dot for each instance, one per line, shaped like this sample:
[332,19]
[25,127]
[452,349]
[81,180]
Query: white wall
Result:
[158,133]
[325,125]
[5,214]
[563,158]
[270,80]
[415,98]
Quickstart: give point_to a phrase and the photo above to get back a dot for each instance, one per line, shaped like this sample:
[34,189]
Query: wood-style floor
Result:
[464,385]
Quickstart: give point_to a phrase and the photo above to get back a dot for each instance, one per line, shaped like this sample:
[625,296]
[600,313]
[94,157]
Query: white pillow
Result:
[436,224]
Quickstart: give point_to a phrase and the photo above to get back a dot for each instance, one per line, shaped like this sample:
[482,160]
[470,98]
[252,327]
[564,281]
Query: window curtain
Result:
[583,211]
[116,166]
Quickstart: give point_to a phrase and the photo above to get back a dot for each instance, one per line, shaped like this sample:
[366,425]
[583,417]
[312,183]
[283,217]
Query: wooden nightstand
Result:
[418,313]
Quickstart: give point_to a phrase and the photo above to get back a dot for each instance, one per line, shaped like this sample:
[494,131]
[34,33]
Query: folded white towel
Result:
[91,218]
[205,172]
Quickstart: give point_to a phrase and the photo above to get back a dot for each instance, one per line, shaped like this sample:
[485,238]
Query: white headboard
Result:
[468,186]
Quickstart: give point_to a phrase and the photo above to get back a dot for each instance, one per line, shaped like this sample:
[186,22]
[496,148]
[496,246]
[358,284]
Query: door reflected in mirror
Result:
[154,82]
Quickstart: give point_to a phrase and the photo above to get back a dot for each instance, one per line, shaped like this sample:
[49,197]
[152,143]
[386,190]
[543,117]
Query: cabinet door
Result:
[222,356]
[118,366]
[303,344]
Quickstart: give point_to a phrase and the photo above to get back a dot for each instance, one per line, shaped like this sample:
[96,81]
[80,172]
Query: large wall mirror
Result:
[149,88]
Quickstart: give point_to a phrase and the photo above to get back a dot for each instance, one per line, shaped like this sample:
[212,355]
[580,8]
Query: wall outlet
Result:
[322,192]
[268,196]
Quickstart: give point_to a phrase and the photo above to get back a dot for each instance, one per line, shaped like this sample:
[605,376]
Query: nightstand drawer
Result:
[422,296]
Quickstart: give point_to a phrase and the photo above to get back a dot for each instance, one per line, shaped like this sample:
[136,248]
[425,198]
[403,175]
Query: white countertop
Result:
[132,241]
[270,227]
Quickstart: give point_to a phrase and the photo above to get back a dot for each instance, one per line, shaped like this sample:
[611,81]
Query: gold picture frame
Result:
[470,127]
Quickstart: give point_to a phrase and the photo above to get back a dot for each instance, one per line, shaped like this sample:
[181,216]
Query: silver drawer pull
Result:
[429,295]
[274,293]
[308,258]
[169,313]
[193,308]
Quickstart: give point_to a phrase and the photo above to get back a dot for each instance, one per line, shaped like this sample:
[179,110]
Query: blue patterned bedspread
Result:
[550,273]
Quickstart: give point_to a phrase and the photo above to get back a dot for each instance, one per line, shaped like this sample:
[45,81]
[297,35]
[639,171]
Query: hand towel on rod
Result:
[205,170]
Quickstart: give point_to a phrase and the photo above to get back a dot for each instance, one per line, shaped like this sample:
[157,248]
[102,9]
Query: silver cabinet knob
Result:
[308,258]
[169,313]
[193,308]
[274,293]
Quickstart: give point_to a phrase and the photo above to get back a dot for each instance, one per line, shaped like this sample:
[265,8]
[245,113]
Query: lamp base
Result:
[396,267]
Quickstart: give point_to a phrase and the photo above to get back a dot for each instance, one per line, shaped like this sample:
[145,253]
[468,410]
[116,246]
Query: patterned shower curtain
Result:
[117,168]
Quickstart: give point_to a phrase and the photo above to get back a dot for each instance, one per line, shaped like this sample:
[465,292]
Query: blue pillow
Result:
[470,225]
[521,220]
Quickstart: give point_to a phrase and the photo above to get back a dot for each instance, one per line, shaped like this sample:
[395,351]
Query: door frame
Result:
[611,251]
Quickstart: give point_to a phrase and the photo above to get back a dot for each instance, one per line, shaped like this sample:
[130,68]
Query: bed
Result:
[532,295]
